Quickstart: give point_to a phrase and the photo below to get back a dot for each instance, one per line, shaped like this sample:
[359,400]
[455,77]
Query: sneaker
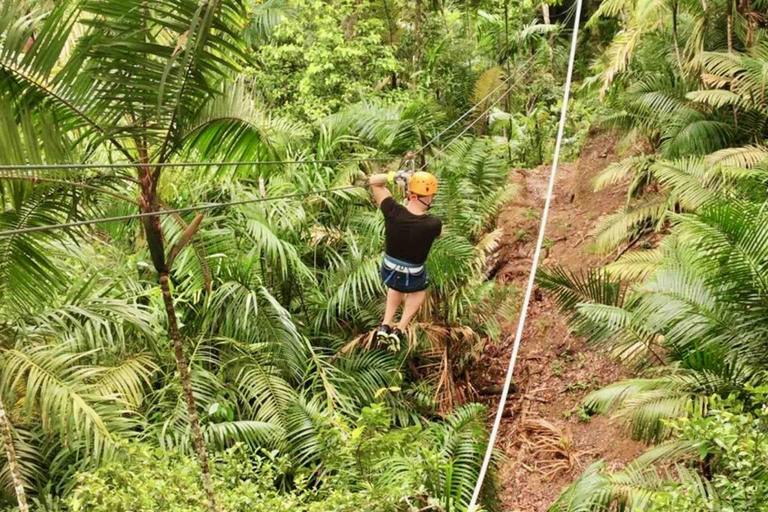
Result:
[396,337]
[384,333]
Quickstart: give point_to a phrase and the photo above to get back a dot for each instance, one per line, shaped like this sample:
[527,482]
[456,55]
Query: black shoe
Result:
[396,337]
[383,335]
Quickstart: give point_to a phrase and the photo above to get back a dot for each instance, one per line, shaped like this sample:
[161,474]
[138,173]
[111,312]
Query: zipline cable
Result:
[534,267]
[217,205]
[465,114]
[196,208]
[42,167]
[125,165]
[473,123]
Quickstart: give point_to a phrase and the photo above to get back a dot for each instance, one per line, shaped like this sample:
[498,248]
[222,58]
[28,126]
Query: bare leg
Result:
[412,304]
[394,299]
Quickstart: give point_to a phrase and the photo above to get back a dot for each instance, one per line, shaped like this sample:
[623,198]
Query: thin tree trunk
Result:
[350,23]
[186,385]
[392,28]
[545,14]
[674,32]
[729,22]
[417,36]
[10,453]
[746,11]
[467,31]
[705,7]
[506,52]
[509,73]
[149,203]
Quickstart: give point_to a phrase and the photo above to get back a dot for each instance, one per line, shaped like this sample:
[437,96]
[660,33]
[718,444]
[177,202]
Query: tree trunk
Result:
[506,53]
[729,22]
[149,202]
[467,32]
[186,384]
[674,32]
[10,453]
[705,8]
[509,73]
[392,29]
[417,36]
[746,11]
[350,23]
[547,21]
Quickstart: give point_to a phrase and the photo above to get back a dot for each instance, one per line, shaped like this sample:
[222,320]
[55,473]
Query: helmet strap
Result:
[428,205]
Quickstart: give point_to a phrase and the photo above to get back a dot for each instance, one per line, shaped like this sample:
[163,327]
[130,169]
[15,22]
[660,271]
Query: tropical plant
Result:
[257,335]
[69,74]
[690,312]
[368,467]
[715,461]
[705,138]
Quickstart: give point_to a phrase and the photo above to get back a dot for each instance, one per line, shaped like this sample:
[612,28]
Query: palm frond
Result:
[636,265]
[128,380]
[615,228]
[265,16]
[746,157]
[690,181]
[618,172]
[231,126]
[716,98]
[57,390]
[571,288]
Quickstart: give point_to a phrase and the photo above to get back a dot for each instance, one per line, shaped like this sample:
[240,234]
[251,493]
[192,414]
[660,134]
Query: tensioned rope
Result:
[471,109]
[172,165]
[43,167]
[196,208]
[211,206]
[480,117]
[272,162]
[534,267]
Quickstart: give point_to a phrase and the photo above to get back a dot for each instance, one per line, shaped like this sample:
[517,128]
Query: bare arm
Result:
[379,188]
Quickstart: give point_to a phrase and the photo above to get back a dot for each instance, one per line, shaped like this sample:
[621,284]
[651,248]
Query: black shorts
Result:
[404,281]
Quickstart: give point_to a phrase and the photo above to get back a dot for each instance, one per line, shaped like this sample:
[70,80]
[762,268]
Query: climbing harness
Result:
[534,267]
[398,265]
[403,276]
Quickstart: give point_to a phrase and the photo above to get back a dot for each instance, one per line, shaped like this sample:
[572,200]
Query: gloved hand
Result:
[402,177]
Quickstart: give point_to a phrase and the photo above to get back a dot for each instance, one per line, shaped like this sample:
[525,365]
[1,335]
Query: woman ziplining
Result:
[410,232]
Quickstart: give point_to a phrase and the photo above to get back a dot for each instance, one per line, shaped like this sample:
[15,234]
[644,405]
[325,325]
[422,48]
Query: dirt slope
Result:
[546,439]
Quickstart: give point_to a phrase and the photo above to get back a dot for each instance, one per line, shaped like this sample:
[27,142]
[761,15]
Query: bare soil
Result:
[546,440]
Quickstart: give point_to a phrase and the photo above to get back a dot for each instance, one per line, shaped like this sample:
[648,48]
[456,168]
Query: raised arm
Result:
[379,187]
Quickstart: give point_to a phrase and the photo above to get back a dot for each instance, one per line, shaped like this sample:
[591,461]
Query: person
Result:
[410,232]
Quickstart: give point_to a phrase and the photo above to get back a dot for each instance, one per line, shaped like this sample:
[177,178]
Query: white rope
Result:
[534,267]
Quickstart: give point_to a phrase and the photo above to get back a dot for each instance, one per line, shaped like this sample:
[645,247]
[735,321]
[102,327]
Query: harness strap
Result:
[404,267]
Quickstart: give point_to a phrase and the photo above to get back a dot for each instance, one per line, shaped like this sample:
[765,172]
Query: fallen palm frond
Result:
[554,450]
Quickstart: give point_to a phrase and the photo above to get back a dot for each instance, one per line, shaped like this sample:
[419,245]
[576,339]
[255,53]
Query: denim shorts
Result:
[405,277]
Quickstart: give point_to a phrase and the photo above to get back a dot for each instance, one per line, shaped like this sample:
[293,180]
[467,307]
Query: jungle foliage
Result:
[687,80]
[247,380]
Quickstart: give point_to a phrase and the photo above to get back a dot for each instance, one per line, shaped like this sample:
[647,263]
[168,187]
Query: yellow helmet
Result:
[423,184]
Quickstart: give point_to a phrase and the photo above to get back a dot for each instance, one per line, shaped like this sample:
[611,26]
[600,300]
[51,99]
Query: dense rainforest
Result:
[222,359]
